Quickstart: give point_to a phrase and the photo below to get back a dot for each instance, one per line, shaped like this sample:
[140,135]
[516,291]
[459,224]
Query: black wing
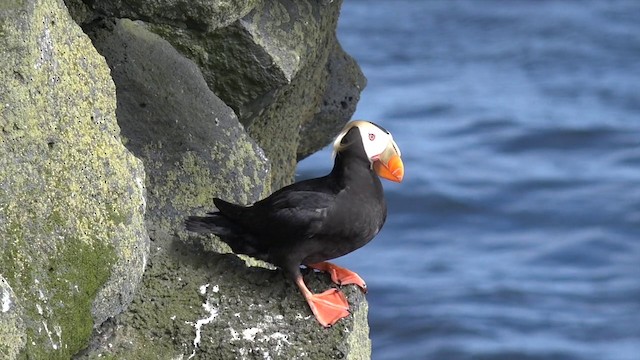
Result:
[294,212]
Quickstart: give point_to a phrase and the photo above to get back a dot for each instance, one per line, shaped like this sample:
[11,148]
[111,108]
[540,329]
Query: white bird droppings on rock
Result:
[203,289]
[6,301]
[250,334]
[213,313]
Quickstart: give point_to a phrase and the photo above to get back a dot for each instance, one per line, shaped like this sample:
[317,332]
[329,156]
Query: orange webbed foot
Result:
[328,307]
[340,275]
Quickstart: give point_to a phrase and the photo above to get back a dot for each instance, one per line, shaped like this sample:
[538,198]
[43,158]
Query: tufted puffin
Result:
[315,220]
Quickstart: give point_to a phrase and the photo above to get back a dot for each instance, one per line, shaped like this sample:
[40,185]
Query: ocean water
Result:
[516,233]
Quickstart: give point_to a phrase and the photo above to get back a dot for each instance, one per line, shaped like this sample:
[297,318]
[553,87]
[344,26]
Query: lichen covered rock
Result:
[277,64]
[209,306]
[205,15]
[192,144]
[298,38]
[12,329]
[72,239]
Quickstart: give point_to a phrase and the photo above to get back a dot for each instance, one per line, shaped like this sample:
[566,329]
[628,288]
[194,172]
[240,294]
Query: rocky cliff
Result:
[119,118]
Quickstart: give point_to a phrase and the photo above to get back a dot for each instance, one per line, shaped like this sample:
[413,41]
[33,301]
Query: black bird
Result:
[315,220]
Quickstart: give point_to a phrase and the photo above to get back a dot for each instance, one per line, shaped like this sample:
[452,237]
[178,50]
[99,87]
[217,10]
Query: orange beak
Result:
[388,165]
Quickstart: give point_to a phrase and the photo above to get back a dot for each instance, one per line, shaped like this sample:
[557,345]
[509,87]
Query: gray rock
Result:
[73,244]
[341,96]
[204,15]
[192,144]
[13,335]
[257,56]
[299,36]
[211,306]
[72,241]
[270,67]
[194,148]
[268,60]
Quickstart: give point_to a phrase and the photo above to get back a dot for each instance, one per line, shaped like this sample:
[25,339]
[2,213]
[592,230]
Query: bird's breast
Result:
[355,219]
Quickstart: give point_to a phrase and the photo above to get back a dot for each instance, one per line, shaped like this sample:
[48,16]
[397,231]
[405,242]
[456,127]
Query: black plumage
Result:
[310,221]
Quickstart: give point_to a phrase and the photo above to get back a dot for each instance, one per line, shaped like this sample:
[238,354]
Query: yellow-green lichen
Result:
[63,299]
[12,332]
[188,186]
[67,182]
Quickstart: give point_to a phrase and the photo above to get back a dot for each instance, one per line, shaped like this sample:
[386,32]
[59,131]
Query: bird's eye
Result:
[372,137]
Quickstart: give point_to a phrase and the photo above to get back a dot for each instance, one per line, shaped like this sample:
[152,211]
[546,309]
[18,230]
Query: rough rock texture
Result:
[12,328]
[205,15]
[192,144]
[298,37]
[195,303]
[277,64]
[194,148]
[339,102]
[73,244]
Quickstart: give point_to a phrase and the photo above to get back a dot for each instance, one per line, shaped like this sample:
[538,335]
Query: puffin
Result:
[312,221]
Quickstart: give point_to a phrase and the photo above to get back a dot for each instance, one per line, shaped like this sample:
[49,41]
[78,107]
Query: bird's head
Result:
[383,153]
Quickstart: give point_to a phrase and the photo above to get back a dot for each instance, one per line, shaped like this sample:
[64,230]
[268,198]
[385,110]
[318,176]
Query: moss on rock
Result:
[277,64]
[192,144]
[271,66]
[299,36]
[71,228]
[12,329]
[73,245]
[204,15]
[194,148]
[212,306]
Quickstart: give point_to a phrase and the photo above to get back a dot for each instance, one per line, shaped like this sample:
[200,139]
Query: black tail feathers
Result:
[239,241]
[213,224]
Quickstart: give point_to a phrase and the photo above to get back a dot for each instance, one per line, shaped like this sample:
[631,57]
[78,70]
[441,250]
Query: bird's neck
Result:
[350,166]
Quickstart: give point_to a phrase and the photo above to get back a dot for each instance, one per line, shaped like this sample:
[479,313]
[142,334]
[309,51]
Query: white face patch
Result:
[374,139]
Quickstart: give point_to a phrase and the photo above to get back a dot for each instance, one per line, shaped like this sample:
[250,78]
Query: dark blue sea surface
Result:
[516,233]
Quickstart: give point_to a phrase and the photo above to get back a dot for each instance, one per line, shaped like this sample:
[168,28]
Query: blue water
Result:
[516,233]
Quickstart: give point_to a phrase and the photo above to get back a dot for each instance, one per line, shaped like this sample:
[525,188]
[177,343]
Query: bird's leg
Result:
[328,307]
[340,275]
